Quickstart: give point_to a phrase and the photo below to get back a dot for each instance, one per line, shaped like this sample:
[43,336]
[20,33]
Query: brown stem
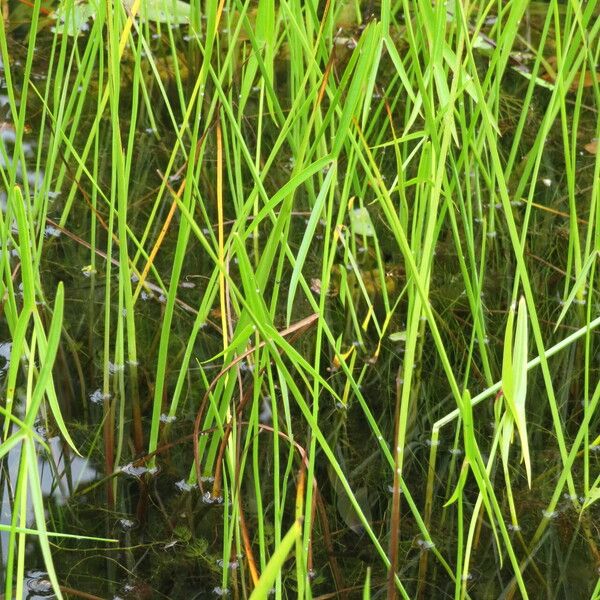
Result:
[296,328]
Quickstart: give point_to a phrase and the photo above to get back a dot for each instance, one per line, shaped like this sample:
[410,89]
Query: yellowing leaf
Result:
[361,222]
[592,147]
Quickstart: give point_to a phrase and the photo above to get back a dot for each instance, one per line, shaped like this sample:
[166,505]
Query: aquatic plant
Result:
[261,264]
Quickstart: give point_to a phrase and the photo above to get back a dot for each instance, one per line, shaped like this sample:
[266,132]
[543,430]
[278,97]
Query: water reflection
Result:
[61,473]
[7,141]
[5,350]
[38,585]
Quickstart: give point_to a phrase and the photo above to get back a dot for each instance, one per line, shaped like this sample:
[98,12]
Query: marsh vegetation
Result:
[300,298]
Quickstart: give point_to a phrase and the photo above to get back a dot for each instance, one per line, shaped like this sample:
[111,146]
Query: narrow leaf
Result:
[265,583]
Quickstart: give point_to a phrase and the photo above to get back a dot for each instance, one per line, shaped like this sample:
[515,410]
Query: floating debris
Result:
[98,396]
[133,471]
[127,524]
[183,486]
